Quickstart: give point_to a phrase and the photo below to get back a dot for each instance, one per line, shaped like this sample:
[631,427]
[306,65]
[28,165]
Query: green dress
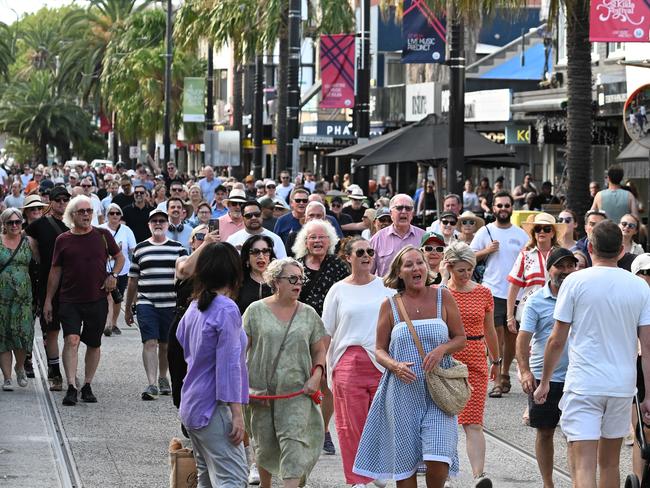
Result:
[289,434]
[16,316]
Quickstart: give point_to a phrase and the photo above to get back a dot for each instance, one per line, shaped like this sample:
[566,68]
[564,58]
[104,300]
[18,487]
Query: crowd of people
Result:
[294,305]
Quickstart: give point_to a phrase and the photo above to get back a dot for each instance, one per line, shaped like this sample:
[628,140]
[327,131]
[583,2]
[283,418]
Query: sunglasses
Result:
[199,236]
[385,219]
[114,213]
[285,178]
[336,205]
[300,200]
[158,221]
[176,189]
[438,249]
[61,200]
[448,222]
[564,220]
[266,251]
[270,186]
[250,215]
[403,208]
[467,222]
[86,186]
[630,225]
[360,252]
[138,192]
[546,229]
[84,211]
[503,205]
[11,223]
[293,279]
[644,272]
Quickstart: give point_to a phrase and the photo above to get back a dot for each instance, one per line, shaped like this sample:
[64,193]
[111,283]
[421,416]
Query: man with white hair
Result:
[209,183]
[388,241]
[83,304]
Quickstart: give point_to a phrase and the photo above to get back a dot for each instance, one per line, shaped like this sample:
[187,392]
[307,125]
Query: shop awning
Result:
[365,148]
[512,69]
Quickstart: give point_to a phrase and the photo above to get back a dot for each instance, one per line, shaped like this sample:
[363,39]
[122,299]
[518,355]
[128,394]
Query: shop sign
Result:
[517,134]
[421,100]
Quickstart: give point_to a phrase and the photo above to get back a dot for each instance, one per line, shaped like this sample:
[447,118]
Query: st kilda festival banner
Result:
[619,21]
[423,33]
[337,70]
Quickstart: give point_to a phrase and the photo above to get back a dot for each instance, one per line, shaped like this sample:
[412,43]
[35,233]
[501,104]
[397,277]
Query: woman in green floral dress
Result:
[288,433]
[16,315]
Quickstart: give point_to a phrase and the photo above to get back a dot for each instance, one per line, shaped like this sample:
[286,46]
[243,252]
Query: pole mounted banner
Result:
[337,70]
[194,100]
[423,33]
[619,21]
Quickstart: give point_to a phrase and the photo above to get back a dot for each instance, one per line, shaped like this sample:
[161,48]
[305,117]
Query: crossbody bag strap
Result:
[407,319]
[274,366]
[491,240]
[13,254]
[57,229]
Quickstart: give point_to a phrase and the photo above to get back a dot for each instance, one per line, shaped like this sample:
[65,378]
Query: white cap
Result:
[640,263]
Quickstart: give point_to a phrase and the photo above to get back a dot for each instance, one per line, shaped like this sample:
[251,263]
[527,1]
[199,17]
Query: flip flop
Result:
[496,392]
[505,383]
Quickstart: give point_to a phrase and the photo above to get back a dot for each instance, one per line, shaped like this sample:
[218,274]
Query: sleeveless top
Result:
[615,203]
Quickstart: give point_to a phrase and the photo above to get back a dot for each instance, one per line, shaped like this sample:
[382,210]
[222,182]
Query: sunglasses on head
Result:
[644,272]
[546,229]
[430,248]
[403,208]
[265,250]
[564,220]
[502,205]
[250,215]
[448,222]
[360,252]
[630,225]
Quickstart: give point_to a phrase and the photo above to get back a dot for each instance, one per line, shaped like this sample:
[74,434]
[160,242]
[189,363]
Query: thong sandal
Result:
[505,383]
[496,392]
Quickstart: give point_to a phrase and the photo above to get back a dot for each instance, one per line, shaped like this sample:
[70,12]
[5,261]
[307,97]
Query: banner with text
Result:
[423,34]
[337,71]
[193,100]
[619,21]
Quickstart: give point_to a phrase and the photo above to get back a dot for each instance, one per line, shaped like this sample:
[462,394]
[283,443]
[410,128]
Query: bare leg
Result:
[5,364]
[109,316]
[150,360]
[327,405]
[436,474]
[609,453]
[510,341]
[500,339]
[291,483]
[544,452]
[115,314]
[475,445]
[92,361]
[265,477]
[584,455]
[163,365]
[411,482]
[70,358]
[52,344]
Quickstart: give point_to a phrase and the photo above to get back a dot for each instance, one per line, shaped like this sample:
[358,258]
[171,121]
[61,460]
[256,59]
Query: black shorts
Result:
[640,385]
[86,320]
[547,415]
[501,312]
[122,281]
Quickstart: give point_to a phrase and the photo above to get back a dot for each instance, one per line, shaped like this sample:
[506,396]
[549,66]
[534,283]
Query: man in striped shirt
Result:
[151,278]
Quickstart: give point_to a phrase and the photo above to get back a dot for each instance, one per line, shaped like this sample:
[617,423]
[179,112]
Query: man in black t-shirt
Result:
[125,198]
[45,231]
[136,216]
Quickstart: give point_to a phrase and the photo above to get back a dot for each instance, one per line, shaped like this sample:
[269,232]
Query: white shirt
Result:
[511,241]
[605,306]
[471,201]
[124,238]
[350,314]
[97,209]
[284,191]
[238,238]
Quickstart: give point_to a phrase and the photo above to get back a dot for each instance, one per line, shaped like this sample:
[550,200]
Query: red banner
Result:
[337,71]
[620,21]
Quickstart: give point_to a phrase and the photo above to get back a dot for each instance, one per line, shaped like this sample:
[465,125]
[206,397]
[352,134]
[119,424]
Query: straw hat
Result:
[467,215]
[543,218]
[238,196]
[33,201]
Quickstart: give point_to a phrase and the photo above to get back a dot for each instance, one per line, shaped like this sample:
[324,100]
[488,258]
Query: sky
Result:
[10,9]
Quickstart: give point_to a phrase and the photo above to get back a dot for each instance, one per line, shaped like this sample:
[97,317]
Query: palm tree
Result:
[6,50]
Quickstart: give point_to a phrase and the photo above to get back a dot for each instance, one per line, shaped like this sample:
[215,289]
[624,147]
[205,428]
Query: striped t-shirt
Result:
[154,267]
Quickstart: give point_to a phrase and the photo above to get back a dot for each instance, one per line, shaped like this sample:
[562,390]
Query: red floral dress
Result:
[473,306]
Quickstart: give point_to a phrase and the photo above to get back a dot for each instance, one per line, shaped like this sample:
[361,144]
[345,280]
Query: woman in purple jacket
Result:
[214,346]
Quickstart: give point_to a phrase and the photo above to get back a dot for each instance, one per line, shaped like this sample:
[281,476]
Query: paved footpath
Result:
[122,441]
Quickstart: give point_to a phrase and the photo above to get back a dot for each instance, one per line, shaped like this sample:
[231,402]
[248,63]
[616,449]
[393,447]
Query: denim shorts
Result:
[154,322]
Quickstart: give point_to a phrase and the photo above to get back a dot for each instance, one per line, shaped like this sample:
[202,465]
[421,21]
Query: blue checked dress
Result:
[404,426]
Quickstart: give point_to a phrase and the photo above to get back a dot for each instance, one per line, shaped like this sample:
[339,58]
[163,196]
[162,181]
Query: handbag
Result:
[13,254]
[266,402]
[183,466]
[479,269]
[448,387]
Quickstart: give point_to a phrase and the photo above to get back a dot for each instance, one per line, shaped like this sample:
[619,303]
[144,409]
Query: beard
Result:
[558,280]
[503,217]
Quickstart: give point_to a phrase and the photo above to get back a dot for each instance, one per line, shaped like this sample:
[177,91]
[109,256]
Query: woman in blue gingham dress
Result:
[404,426]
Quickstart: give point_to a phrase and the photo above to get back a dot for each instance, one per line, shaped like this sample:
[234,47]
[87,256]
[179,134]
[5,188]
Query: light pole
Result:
[168,86]
[362,98]
[293,73]
[456,62]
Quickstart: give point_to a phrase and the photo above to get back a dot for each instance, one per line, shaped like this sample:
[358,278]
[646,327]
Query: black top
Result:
[123,200]
[138,220]
[45,230]
[251,291]
[355,214]
[269,224]
[319,282]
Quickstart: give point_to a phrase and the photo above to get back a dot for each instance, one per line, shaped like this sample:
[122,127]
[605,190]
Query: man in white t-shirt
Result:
[252,213]
[499,244]
[599,311]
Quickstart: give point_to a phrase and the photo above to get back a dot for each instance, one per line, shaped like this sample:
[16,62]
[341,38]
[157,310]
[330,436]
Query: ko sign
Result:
[517,134]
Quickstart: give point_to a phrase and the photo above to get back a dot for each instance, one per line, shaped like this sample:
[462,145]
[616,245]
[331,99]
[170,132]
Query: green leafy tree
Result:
[6,50]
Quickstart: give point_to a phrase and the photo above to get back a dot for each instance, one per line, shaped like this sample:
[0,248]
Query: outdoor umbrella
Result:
[427,142]
[364,148]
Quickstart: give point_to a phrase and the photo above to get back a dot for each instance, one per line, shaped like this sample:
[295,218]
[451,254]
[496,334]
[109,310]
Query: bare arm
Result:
[354,226]
[185,267]
[317,351]
[131,291]
[634,208]
[596,204]
[457,338]
[53,282]
[513,291]
[644,337]
[523,355]
[492,342]
[33,245]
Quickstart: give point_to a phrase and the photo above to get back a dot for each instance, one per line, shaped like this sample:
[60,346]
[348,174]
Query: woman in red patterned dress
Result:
[476,307]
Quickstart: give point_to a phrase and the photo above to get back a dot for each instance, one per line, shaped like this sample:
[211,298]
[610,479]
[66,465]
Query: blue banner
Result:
[423,34]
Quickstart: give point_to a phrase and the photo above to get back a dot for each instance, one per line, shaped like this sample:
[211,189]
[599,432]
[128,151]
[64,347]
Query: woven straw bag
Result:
[448,387]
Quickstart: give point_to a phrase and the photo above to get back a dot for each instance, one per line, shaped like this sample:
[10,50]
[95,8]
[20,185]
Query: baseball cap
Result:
[266,202]
[432,237]
[558,255]
[58,191]
[46,186]
[382,212]
[640,263]
[157,211]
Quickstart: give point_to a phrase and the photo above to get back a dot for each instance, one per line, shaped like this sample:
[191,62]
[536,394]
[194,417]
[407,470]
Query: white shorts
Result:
[588,418]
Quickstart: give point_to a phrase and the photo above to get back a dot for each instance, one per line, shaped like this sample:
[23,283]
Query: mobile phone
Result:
[213,225]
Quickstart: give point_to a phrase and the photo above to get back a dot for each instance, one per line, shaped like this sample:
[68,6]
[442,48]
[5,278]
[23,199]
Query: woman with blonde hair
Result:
[405,427]
[195,197]
[476,307]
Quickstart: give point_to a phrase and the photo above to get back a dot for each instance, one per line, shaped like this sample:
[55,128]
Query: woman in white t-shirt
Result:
[350,315]
[125,238]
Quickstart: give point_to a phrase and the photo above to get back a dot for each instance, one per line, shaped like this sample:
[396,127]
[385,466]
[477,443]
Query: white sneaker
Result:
[7,386]
[380,483]
[359,485]
[253,475]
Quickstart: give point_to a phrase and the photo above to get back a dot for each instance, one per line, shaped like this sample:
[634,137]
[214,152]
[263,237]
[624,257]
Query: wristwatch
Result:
[496,362]
[114,275]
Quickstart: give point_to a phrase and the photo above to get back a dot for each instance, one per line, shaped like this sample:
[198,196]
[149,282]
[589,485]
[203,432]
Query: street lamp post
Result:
[209,109]
[258,108]
[168,85]
[293,74]
[362,99]
[456,154]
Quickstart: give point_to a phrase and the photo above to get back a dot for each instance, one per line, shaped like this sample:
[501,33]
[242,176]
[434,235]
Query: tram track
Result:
[559,473]
[64,462]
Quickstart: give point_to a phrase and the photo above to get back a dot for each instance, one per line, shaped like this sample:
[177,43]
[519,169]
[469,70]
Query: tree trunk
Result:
[281,115]
[579,108]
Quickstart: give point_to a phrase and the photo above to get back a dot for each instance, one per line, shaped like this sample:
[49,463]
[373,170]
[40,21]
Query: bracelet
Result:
[322,368]
[496,362]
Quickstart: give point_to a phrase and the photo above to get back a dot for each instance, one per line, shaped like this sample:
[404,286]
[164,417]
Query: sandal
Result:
[505,383]
[496,392]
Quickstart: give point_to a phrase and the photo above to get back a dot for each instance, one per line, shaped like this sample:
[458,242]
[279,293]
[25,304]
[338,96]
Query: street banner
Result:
[193,97]
[337,70]
[619,21]
[423,33]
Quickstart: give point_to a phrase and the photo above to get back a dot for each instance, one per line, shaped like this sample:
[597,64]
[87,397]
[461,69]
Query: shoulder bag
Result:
[13,254]
[479,269]
[448,387]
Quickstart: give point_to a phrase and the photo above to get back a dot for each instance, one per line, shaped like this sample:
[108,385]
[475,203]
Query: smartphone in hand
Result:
[213,225]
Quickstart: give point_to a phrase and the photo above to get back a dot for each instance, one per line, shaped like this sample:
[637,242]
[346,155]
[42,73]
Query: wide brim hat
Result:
[236,195]
[33,201]
[467,215]
[544,218]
